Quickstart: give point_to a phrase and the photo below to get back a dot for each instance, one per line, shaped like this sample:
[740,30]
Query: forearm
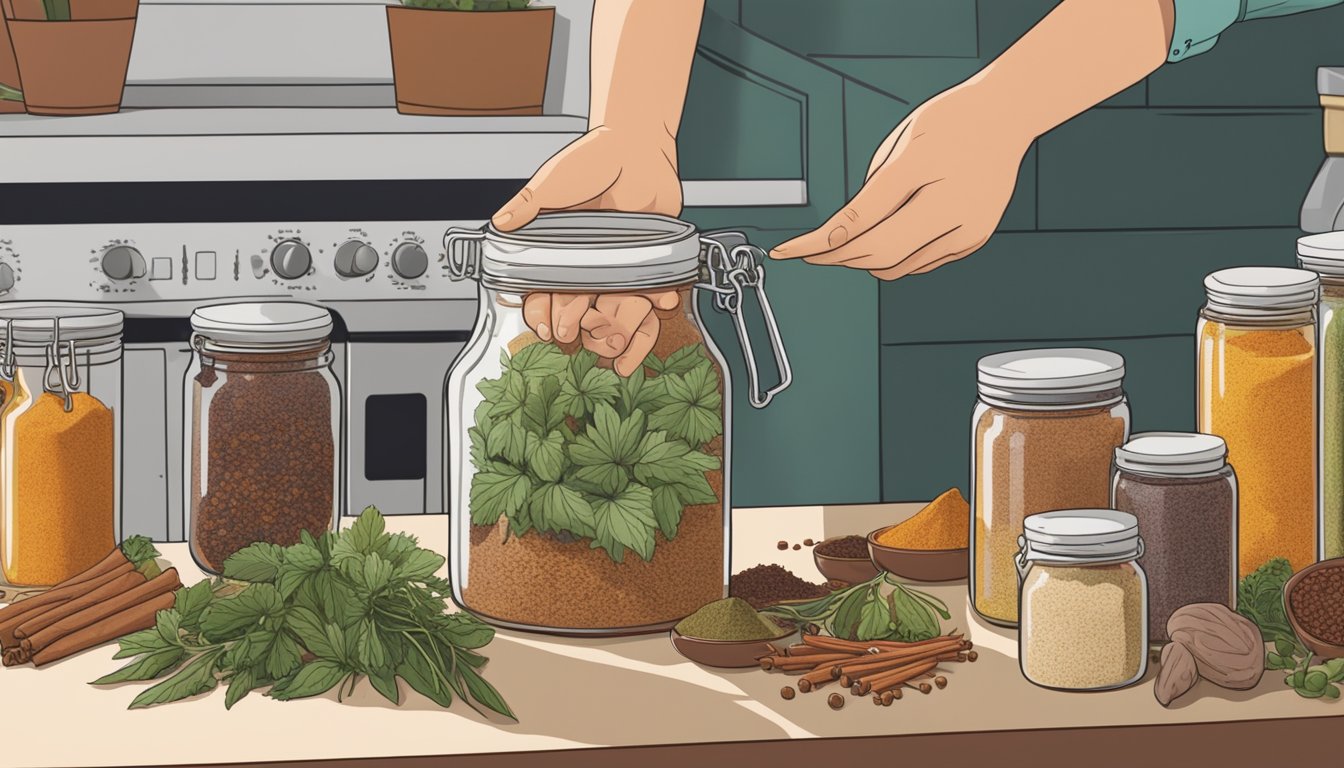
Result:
[641,62]
[1081,54]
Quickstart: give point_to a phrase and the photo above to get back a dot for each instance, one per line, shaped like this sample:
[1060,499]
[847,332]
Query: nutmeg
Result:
[1178,675]
[1228,648]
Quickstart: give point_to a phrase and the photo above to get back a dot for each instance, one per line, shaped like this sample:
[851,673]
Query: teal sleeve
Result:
[1200,22]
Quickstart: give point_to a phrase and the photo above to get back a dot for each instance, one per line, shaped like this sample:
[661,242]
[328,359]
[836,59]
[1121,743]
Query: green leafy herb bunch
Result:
[1260,598]
[561,445]
[881,608]
[321,614]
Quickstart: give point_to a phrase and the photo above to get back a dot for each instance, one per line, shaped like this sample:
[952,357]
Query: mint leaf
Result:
[875,620]
[417,672]
[144,641]
[366,532]
[507,440]
[664,462]
[684,360]
[693,409]
[538,360]
[147,667]
[545,456]
[498,493]
[667,509]
[166,624]
[190,602]
[241,684]
[603,453]
[229,617]
[627,520]
[385,682]
[280,653]
[255,563]
[310,631]
[542,413]
[556,507]
[587,386]
[197,677]
[510,397]
[466,631]
[484,692]
[138,550]
[314,679]
[417,565]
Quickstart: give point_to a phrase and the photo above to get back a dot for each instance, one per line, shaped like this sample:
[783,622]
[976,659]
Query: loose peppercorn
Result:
[836,701]
[786,692]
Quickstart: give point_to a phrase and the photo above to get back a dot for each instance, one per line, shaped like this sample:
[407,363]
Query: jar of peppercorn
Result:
[264,410]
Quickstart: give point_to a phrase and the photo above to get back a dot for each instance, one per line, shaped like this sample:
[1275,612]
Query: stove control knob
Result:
[6,278]
[356,259]
[410,261]
[291,259]
[122,262]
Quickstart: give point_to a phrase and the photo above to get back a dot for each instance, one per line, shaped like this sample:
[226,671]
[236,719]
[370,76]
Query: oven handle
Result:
[462,248]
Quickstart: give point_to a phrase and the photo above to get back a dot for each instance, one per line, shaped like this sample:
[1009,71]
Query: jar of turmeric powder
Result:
[1044,430]
[60,463]
[1257,390]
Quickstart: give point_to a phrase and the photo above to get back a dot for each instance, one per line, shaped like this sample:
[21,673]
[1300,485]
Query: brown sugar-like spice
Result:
[270,461]
[1027,462]
[61,508]
[1318,604]
[766,585]
[943,524]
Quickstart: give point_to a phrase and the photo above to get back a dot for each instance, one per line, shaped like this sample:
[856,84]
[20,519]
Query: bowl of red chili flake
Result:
[1314,598]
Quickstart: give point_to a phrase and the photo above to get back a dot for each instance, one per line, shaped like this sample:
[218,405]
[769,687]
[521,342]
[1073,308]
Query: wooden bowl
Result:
[1314,644]
[852,570]
[727,654]
[919,564]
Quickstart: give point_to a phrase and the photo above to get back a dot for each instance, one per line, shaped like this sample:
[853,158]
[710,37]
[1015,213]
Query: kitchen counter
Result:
[647,705]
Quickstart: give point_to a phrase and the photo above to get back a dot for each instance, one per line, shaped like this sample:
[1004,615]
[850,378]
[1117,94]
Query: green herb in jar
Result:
[729,619]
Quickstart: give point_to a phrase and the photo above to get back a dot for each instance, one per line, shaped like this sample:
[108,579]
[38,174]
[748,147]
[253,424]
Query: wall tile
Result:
[1051,285]
[1140,169]
[928,394]
[866,27]
[737,127]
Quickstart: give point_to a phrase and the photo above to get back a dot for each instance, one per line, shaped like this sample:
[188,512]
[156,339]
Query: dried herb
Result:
[867,611]
[308,618]
[564,446]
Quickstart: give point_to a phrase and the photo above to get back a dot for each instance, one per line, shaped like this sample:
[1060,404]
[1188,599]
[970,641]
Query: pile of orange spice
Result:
[943,524]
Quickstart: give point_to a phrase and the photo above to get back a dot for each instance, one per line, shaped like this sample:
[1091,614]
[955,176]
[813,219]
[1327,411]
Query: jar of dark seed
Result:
[264,415]
[1184,495]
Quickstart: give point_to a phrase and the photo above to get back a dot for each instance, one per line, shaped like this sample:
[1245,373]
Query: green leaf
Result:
[418,564]
[1276,661]
[914,619]
[167,623]
[197,677]
[385,682]
[465,631]
[483,692]
[310,631]
[241,684]
[685,360]
[538,360]
[376,573]
[694,407]
[147,667]
[230,617]
[507,440]
[874,619]
[588,387]
[498,493]
[664,462]
[1315,682]
[542,413]
[845,622]
[561,509]
[366,532]
[9,93]
[144,641]
[138,549]
[510,397]
[1335,669]
[255,563]
[282,655]
[1284,647]
[313,679]
[627,520]
[667,509]
[417,673]
[546,456]
[190,602]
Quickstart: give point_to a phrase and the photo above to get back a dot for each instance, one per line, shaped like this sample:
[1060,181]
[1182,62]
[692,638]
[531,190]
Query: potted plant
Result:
[11,98]
[470,57]
[72,55]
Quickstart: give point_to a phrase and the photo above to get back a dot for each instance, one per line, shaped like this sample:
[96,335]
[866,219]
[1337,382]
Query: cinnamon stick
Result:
[898,677]
[133,619]
[814,680]
[862,646]
[12,616]
[122,583]
[869,670]
[804,662]
[876,660]
[113,560]
[165,583]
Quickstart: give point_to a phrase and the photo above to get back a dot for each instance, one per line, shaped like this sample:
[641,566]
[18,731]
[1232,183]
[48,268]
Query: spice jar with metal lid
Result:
[1324,255]
[1257,390]
[60,459]
[589,420]
[1180,488]
[1084,600]
[264,415]
[1045,426]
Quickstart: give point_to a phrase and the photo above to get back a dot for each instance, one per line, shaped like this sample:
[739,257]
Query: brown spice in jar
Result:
[1318,604]
[765,585]
[1028,462]
[271,459]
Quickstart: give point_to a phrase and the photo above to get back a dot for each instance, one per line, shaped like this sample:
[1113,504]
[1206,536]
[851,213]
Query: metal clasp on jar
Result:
[733,265]
[462,249]
[67,374]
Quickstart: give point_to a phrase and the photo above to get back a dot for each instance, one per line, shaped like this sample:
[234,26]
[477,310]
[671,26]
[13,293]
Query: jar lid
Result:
[587,250]
[1043,376]
[1080,535]
[35,323]
[263,323]
[1173,453]
[1262,290]
[1322,253]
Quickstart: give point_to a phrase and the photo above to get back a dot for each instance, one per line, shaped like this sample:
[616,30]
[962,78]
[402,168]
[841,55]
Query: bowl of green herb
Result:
[727,633]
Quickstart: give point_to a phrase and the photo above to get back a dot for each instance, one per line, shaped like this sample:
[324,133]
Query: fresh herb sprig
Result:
[866,611]
[321,614]
[564,446]
[1260,598]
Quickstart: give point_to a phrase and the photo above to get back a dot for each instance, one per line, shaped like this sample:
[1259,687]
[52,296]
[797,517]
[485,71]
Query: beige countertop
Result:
[576,694]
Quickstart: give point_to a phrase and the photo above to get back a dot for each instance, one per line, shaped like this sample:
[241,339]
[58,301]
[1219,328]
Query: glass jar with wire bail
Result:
[60,423]
[263,410]
[589,421]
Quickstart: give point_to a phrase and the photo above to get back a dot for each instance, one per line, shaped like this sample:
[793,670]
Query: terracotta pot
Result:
[470,62]
[9,71]
[75,67]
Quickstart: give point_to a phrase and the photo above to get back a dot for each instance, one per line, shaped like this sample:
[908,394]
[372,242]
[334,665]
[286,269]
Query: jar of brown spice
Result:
[1044,429]
[264,410]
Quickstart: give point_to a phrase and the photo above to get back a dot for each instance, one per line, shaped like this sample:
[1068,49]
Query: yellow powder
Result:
[943,524]
[1257,391]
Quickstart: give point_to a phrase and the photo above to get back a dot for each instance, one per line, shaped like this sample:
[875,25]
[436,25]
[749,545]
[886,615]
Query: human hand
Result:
[605,169]
[935,191]
[615,326]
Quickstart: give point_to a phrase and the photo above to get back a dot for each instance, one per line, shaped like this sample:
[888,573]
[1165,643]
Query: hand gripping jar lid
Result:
[573,251]
[1079,536]
[1172,453]
[1322,253]
[264,325]
[1046,377]
[1262,291]
[32,327]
